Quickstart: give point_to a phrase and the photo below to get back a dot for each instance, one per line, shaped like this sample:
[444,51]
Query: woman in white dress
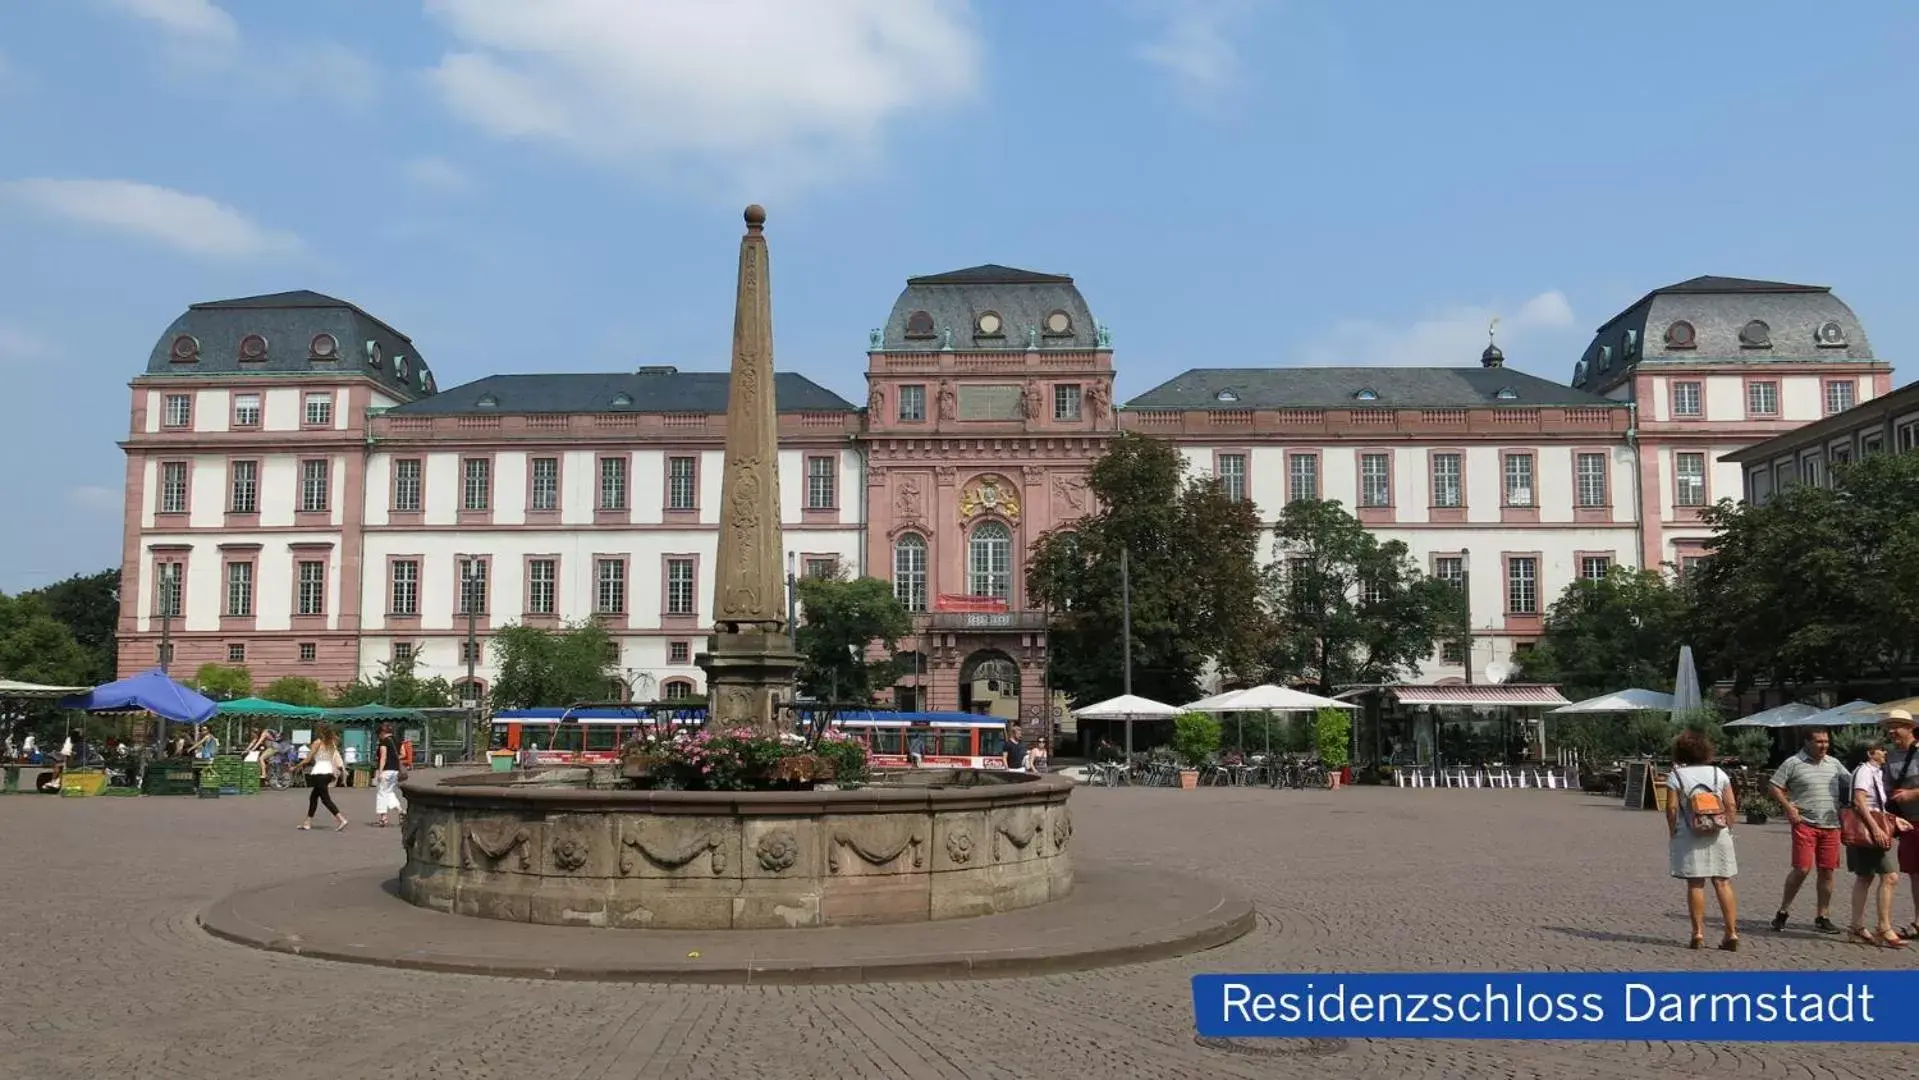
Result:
[1699,849]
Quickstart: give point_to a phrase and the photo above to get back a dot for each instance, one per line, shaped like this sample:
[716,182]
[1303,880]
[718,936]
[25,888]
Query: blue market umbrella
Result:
[151,691]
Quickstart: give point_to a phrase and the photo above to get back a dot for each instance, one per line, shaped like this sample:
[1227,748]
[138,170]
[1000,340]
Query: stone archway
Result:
[989,679]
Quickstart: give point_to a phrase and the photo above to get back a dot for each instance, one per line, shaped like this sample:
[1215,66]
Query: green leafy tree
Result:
[841,620]
[36,647]
[223,682]
[397,685]
[89,605]
[295,690]
[1349,608]
[1333,737]
[1195,737]
[1619,632]
[1193,562]
[551,667]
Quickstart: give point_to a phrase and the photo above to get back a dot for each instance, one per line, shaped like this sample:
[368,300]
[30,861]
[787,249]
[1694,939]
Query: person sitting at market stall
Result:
[261,749]
[205,747]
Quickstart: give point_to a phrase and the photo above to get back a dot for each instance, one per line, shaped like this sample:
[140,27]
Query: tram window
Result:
[992,742]
[889,741]
[566,737]
[601,737]
[956,743]
[499,736]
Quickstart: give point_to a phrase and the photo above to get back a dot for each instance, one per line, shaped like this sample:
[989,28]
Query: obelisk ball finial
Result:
[755,217]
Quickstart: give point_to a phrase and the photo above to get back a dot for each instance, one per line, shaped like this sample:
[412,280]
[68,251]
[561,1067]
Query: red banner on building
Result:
[960,602]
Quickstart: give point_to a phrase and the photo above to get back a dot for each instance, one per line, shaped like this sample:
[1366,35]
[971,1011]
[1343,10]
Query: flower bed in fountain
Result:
[742,759]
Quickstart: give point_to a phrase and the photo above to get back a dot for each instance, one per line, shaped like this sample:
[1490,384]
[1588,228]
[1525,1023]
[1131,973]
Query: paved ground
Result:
[109,975]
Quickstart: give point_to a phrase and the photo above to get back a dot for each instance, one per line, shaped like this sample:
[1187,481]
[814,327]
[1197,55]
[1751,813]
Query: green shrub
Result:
[1195,737]
[1752,746]
[1332,735]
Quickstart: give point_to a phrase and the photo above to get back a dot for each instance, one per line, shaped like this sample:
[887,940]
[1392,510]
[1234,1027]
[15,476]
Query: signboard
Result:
[962,602]
[980,619]
[989,402]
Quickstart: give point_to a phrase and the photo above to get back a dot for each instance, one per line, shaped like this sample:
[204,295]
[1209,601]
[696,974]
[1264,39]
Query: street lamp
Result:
[792,601]
[469,599]
[1466,603]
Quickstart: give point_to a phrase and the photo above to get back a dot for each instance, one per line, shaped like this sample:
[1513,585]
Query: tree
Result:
[551,667]
[1621,631]
[36,647]
[89,604]
[842,619]
[396,686]
[295,690]
[223,682]
[1347,608]
[1819,585]
[1192,555]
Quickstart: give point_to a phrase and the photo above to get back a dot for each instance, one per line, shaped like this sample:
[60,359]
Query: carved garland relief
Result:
[710,843]
[496,846]
[878,855]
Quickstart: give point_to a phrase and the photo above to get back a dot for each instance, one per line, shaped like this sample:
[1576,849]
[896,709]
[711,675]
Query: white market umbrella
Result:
[1270,698]
[1622,701]
[1848,715]
[1128,707]
[1791,714]
[1207,704]
[1685,684]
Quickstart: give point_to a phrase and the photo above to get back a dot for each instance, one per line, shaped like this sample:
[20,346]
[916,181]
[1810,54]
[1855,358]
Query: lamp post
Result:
[1126,636]
[470,601]
[169,599]
[1466,602]
[792,600]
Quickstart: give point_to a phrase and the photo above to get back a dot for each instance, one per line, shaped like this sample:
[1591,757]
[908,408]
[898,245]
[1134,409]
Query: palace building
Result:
[304,499]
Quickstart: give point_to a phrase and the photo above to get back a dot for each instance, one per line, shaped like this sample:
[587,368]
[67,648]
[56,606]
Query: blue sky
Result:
[555,185]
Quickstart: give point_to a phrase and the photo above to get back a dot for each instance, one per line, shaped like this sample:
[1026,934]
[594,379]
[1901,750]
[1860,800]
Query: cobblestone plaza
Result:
[112,976]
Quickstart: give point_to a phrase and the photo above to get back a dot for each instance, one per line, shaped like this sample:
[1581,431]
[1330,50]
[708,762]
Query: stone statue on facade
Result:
[873,338]
[907,500]
[875,403]
[1105,336]
[1032,337]
[946,339]
[1096,400]
[1029,401]
[949,401]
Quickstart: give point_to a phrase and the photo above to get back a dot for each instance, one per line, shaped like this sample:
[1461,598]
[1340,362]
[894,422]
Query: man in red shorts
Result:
[1902,783]
[1812,785]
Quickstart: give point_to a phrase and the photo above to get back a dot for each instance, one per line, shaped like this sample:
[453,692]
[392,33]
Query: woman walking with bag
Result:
[388,771]
[1868,831]
[324,766]
[1699,813]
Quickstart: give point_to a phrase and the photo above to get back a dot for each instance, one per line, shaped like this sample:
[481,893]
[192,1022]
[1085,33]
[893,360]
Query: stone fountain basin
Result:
[933,844]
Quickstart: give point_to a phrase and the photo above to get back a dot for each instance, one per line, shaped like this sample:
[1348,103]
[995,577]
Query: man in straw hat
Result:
[1902,785]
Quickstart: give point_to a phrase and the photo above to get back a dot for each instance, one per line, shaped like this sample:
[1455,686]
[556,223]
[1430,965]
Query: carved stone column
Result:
[749,662]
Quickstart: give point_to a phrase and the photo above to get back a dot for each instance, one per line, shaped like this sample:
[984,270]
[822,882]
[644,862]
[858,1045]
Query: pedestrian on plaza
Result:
[916,748]
[387,773]
[1812,785]
[1902,792]
[324,766]
[1874,866]
[1699,815]
[1015,750]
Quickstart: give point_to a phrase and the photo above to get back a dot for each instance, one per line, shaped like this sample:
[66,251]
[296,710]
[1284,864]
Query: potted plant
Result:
[1332,734]
[1195,738]
[1760,808]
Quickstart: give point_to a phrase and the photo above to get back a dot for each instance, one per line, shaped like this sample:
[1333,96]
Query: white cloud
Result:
[1450,338]
[191,223]
[761,89]
[437,175]
[221,56]
[19,345]
[326,68]
[201,20]
[94,497]
[1196,45]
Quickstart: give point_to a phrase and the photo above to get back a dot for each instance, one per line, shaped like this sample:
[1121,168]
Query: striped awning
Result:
[1527,694]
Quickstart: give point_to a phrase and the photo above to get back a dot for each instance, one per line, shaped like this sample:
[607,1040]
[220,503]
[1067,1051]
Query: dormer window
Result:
[1579,373]
[1680,335]
[374,356]
[253,347]
[488,401]
[185,350]
[1227,396]
[622,400]
[399,367]
[1059,324]
[1367,394]
[989,324]
[1755,335]
[1605,358]
[324,347]
[1631,345]
[1507,393]
[919,325]
[426,380]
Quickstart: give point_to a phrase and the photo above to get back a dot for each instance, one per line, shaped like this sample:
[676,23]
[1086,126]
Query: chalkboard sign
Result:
[1638,785]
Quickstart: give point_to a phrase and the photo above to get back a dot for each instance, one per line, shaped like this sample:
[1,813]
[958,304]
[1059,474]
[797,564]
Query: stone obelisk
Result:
[749,662]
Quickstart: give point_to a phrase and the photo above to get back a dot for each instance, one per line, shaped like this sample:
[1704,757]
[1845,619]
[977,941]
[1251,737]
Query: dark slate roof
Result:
[1709,283]
[1023,299]
[290,321]
[663,390]
[1340,387]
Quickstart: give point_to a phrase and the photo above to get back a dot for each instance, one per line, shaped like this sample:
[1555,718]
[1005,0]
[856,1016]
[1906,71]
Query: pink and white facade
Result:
[328,509]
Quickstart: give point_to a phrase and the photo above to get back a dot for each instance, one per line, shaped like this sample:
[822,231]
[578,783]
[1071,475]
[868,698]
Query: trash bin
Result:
[501,760]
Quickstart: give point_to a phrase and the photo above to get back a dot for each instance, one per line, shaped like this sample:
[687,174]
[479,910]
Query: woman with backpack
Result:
[1699,814]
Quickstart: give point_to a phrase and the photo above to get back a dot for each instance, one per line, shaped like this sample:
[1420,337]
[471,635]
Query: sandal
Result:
[308,827]
[1890,940]
[1698,942]
[1860,936]
[1731,944]
[1910,930]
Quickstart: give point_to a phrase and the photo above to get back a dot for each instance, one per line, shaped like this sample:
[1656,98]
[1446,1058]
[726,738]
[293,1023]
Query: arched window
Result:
[678,690]
[990,561]
[909,571]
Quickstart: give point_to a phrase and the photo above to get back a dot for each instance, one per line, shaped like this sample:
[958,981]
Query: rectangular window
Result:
[609,587]
[406,587]
[477,488]
[1066,398]
[236,654]
[1522,585]
[679,587]
[1448,492]
[309,652]
[312,588]
[1450,569]
[402,654]
[313,487]
[912,403]
[245,496]
[1761,481]
[1811,472]
[179,412]
[319,410]
[1370,592]
[1519,480]
[822,567]
[167,602]
[1452,652]
[1689,476]
[406,485]
[1685,399]
[239,589]
[1872,442]
[246,410]
[613,483]
[1762,398]
[821,477]
[173,487]
[545,484]
[1302,478]
[472,587]
[1232,476]
[1590,471]
[679,652]
[1840,394]
[1839,455]
[1690,564]
[909,572]
[541,577]
[1595,567]
[682,483]
[1375,480]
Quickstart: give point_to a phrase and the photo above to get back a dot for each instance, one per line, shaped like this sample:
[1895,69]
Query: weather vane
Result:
[1492,328]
